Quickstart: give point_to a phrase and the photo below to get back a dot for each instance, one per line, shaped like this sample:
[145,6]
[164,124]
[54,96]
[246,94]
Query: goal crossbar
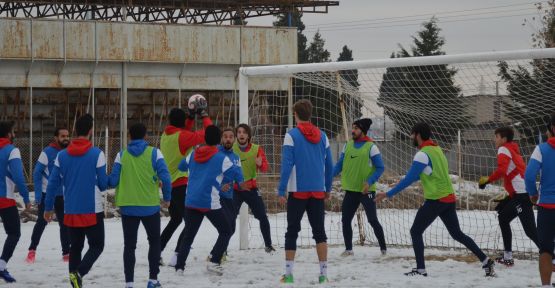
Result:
[290,69]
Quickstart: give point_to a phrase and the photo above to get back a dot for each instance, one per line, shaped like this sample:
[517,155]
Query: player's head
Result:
[361,127]
[84,125]
[228,138]
[503,135]
[6,130]
[420,132]
[177,117]
[302,110]
[137,131]
[551,126]
[212,135]
[244,134]
[61,137]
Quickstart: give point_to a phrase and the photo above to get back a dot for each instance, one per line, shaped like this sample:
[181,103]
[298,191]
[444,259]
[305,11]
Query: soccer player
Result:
[360,165]
[430,166]
[207,168]
[176,143]
[542,162]
[11,174]
[307,174]
[226,194]
[253,160]
[44,166]
[80,170]
[137,173]
[510,168]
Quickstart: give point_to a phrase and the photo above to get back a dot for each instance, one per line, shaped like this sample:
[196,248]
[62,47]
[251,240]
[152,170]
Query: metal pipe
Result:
[123,104]
[400,62]
[243,118]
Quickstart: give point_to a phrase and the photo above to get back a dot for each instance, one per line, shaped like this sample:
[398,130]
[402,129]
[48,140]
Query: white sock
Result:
[173,261]
[3,265]
[323,267]
[547,286]
[485,261]
[421,271]
[508,255]
[153,281]
[289,267]
[129,285]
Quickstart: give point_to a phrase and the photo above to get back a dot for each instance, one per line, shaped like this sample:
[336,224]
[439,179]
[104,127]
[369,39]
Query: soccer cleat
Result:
[31,257]
[75,280]
[506,262]
[287,279]
[489,268]
[223,260]
[65,258]
[5,275]
[323,279]
[179,272]
[215,268]
[270,249]
[415,272]
[347,253]
[384,252]
[154,285]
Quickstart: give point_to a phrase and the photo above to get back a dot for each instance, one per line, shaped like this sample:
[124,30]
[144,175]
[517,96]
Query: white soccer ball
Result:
[193,100]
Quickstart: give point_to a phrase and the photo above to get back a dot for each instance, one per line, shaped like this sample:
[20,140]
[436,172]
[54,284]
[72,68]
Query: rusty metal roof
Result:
[193,4]
[170,11]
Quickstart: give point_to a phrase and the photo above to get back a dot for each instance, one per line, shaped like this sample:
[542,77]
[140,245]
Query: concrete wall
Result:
[144,42]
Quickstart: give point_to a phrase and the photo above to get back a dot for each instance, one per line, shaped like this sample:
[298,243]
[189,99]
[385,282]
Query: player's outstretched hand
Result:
[28,206]
[380,196]
[48,216]
[226,187]
[165,204]
[282,200]
[258,161]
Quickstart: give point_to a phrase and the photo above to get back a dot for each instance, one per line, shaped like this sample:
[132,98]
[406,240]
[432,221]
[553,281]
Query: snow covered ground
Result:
[255,268]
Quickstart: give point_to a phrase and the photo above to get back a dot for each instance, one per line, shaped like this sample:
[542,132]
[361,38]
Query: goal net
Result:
[463,97]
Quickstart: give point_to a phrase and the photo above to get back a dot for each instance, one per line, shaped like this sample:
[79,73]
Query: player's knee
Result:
[319,236]
[415,231]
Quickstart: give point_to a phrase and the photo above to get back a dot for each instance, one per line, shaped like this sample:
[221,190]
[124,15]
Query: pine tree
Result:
[353,103]
[407,94]
[317,53]
[528,88]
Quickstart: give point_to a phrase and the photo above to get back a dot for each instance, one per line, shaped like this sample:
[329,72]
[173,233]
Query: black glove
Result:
[191,113]
[201,105]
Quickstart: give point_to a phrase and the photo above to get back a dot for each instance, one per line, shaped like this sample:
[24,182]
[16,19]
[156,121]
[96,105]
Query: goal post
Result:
[463,97]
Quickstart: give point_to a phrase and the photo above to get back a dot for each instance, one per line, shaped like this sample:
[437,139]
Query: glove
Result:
[191,114]
[201,105]
[484,180]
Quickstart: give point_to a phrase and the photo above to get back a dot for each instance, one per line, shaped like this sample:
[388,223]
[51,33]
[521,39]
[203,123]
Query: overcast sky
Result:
[468,26]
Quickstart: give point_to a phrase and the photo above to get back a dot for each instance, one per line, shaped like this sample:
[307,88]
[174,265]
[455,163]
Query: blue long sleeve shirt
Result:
[421,164]
[11,172]
[42,170]
[542,162]
[305,166]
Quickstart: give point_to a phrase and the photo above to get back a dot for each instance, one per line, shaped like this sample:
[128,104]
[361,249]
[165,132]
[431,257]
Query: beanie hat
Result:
[363,124]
